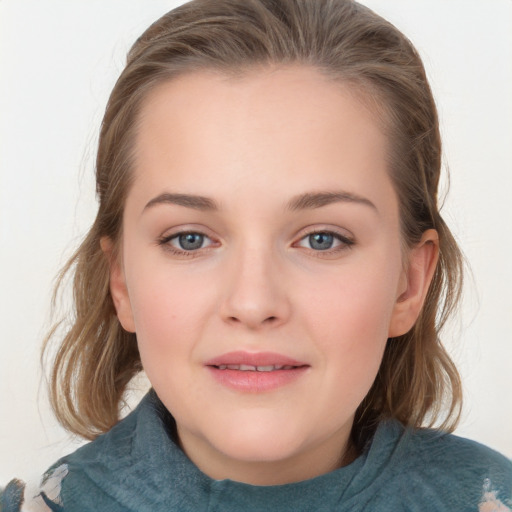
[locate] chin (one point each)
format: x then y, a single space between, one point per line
258 441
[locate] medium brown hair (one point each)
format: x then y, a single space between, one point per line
417 383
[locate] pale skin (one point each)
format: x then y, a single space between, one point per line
258 280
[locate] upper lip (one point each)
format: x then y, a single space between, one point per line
254 359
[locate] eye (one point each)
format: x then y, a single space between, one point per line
185 243
188 241
325 241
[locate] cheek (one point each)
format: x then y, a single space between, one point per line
351 328
170 308
359 299
162 311
348 314
166 321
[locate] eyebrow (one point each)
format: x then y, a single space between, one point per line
312 200
307 201
188 200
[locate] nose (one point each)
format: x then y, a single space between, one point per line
255 291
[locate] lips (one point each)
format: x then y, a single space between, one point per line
255 372
250 368
255 360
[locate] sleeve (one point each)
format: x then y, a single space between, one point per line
20 497
11 498
491 501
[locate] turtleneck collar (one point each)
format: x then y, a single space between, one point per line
139 466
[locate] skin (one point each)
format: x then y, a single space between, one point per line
258 282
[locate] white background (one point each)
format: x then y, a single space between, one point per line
58 62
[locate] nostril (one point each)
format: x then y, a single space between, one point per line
268 320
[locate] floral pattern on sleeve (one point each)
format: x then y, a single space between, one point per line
490 501
21 497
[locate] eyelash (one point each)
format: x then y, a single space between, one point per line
345 243
165 243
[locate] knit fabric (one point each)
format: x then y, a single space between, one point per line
137 467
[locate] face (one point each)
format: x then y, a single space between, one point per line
261 267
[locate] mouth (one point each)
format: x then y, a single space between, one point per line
250 368
255 372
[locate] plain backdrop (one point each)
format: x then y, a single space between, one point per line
58 61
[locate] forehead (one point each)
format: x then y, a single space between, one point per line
302 92
204 128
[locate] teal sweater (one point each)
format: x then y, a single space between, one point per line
137 467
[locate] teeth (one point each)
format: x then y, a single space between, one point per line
266 368
250 368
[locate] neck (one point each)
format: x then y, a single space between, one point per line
317 461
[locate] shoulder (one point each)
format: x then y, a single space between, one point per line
93 468
72 475
450 469
449 453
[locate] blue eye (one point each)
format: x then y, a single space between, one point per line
190 241
186 243
321 241
325 241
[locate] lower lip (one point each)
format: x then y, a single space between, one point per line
254 381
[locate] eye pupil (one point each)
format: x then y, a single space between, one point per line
191 241
321 241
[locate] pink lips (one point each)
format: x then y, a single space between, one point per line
255 372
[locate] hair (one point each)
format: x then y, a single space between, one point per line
417 382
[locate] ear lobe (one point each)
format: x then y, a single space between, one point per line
417 278
118 289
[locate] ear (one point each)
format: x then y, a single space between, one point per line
118 289
415 283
